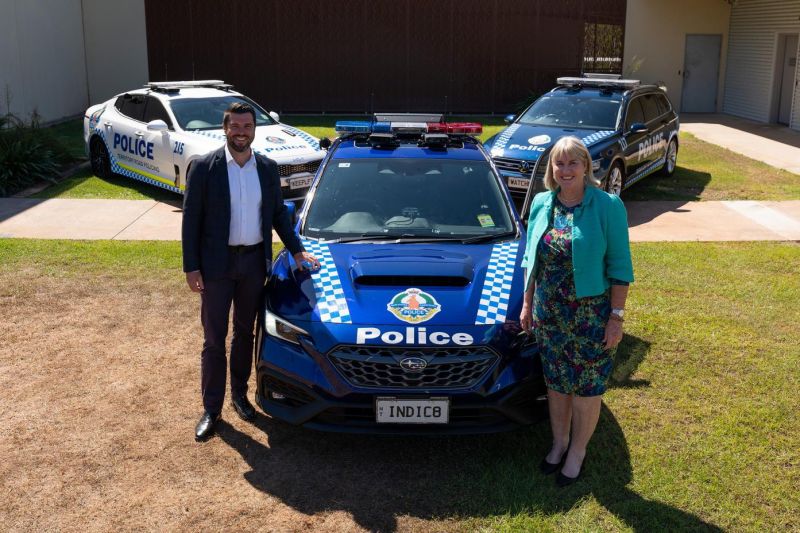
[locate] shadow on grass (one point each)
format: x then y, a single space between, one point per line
85 184
630 353
377 479
685 184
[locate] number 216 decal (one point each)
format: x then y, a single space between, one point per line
178 148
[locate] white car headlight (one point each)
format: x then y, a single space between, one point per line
280 328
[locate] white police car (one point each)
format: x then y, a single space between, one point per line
630 129
153 135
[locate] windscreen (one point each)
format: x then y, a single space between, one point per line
207 113
596 112
431 198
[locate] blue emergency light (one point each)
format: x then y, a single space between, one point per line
408 125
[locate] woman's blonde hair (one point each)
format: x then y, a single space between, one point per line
571 147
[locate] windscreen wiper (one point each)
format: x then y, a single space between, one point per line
402 238
488 237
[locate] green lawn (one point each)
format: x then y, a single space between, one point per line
709 172
699 429
70 134
705 171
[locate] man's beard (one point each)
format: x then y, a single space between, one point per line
232 145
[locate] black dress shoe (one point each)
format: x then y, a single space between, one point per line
205 427
547 468
243 408
564 481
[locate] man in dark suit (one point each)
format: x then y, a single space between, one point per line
233 200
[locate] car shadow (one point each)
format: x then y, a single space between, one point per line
685 185
377 479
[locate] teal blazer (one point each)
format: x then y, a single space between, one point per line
600 246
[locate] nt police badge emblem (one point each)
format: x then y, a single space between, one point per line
414 306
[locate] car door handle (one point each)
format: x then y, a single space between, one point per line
138 133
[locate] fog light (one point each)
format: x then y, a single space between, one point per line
276 395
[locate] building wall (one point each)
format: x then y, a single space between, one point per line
116 46
655 40
42 66
752 53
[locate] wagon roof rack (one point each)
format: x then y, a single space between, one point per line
175 86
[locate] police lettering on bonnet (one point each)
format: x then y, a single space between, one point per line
411 323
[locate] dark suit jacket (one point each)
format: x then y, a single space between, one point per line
207 214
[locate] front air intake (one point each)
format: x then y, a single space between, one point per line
412 281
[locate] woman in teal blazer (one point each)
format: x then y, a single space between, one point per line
578 268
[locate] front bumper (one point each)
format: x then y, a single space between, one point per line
304 388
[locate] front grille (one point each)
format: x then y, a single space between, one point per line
379 366
288 170
507 163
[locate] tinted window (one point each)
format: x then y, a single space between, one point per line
574 111
651 110
432 198
635 113
155 111
663 104
133 106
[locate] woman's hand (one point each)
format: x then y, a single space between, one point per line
526 317
613 334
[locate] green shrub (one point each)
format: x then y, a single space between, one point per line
28 153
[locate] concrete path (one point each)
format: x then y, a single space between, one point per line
151 220
773 144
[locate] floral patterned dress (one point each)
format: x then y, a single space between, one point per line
569 329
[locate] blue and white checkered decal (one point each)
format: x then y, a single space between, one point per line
303 135
116 169
596 136
497 286
500 143
331 302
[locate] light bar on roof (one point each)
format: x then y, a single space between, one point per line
409 128
409 117
599 82
353 126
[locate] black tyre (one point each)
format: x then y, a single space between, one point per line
615 179
671 162
101 164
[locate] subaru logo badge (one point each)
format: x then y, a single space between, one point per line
524 167
413 364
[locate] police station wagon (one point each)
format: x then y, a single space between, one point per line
412 322
155 133
630 129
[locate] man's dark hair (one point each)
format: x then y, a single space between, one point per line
238 108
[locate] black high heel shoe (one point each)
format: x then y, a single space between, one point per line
547 468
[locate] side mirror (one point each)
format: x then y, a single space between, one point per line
509 119
276 117
290 207
157 125
638 127
325 143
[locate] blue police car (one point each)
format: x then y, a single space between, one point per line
630 129
411 323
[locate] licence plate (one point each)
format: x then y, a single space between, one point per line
408 411
518 183
299 183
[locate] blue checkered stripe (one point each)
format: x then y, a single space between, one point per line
331 303
652 167
596 136
209 134
502 140
497 286
116 169
303 135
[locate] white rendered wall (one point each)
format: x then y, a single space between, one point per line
655 40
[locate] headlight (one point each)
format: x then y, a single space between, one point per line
596 164
278 327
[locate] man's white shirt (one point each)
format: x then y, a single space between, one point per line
245 201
